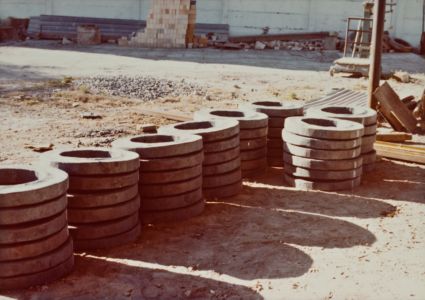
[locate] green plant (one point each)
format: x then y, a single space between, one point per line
293 96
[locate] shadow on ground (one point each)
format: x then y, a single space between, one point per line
9 73
96 278
387 180
291 60
234 242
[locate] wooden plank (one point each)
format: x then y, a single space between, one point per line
400 152
72 19
354 61
279 37
394 136
397 114
171 115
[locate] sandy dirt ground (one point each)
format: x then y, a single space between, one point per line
269 242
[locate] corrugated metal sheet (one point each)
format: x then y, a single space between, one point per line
340 97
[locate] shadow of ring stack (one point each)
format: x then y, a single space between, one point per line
170 182
35 246
322 153
277 112
359 114
253 134
221 166
103 198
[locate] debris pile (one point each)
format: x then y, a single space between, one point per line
144 88
395 44
297 45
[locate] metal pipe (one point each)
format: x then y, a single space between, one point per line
376 51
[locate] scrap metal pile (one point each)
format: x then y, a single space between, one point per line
166 177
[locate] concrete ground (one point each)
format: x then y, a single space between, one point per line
271 241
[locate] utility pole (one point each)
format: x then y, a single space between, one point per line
376 50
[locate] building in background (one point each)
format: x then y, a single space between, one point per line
244 16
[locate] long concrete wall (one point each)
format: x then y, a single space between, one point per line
243 16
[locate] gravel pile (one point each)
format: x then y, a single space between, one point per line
144 88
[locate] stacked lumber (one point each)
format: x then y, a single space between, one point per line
394 110
404 116
400 151
58 27
166 26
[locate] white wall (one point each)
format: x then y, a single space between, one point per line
407 21
243 16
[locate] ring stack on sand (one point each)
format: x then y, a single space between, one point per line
322 153
170 182
35 246
103 198
222 165
253 133
359 114
277 112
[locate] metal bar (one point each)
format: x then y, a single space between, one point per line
358 18
357 39
359 30
376 53
352 42
346 37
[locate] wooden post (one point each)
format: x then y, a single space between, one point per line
190 34
376 50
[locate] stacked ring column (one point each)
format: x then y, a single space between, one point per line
221 166
103 198
35 245
322 154
277 112
170 182
362 115
253 136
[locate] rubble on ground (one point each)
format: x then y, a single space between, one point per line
144 88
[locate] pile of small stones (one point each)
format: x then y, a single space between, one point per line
144 88
103 196
35 246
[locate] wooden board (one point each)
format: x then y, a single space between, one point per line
397 114
400 152
393 136
353 61
171 115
